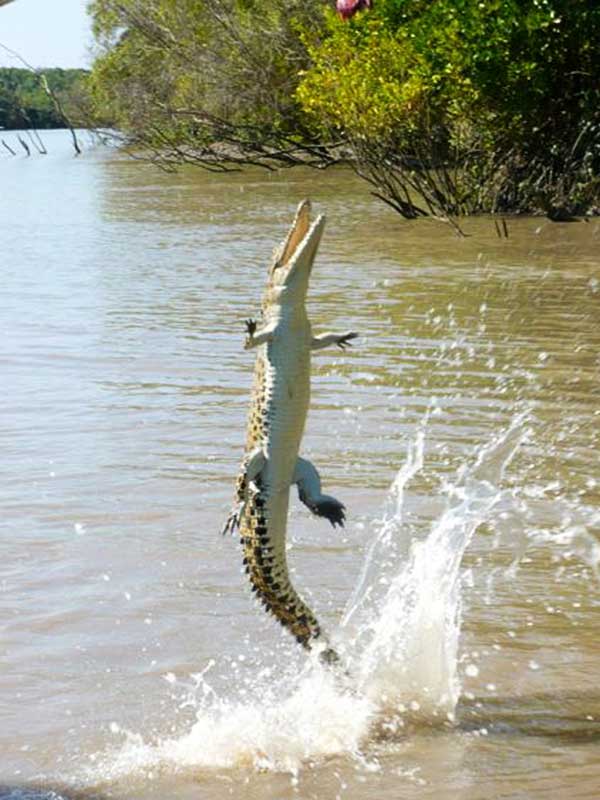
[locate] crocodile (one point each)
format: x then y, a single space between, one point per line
276 420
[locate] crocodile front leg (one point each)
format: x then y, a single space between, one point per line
254 338
308 481
325 339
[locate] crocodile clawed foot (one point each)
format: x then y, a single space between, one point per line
250 331
232 522
331 509
344 341
329 657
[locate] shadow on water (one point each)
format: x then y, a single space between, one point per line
41 793
565 718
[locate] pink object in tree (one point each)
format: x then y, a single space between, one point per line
348 8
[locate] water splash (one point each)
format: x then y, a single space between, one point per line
316 719
399 637
407 616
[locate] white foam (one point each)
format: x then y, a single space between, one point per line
408 635
318 718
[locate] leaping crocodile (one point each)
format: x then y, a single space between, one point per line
280 399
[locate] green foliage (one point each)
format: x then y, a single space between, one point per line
444 106
511 61
182 73
493 86
25 104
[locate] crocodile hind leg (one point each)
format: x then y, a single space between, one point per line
245 484
308 481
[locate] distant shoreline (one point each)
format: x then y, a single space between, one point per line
39 100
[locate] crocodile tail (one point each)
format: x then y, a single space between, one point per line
266 566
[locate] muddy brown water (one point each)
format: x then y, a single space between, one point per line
134 662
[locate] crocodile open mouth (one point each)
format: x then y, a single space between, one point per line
295 257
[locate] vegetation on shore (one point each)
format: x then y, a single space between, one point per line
446 107
457 106
32 99
210 82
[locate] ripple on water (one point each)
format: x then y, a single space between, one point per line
125 393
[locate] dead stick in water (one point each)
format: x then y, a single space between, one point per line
24 145
9 148
36 141
50 92
58 106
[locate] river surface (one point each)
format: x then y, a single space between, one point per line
461 431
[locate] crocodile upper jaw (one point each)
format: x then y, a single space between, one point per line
292 265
